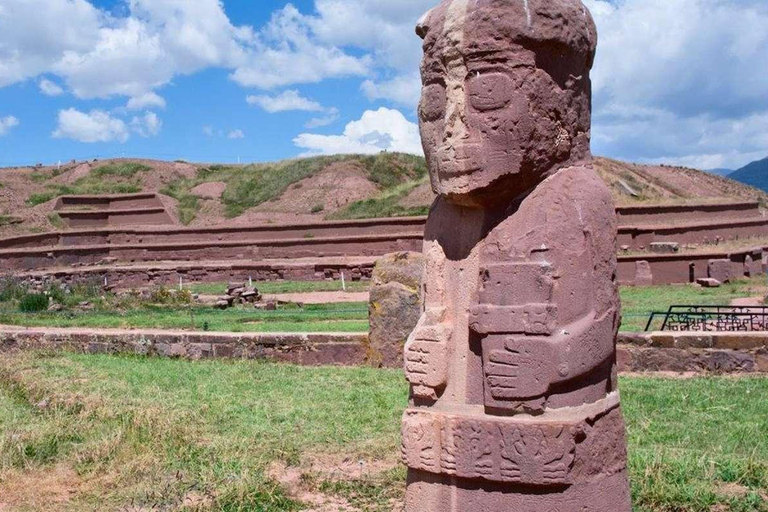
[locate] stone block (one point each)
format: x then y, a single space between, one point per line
394 308
226 350
728 361
708 282
662 340
170 349
690 340
624 358
720 270
761 360
740 340
405 268
643 273
199 350
394 311
99 348
634 338
664 247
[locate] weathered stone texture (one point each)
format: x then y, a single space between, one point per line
306 349
512 363
394 307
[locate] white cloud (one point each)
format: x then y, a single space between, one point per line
681 82
148 100
385 28
35 34
377 130
404 89
50 88
288 52
94 126
234 134
100 55
7 123
292 100
148 125
285 101
332 115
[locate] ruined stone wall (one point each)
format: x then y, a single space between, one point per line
716 353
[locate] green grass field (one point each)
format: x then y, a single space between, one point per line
127 433
637 303
345 317
275 287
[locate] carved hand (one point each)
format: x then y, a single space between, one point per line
519 368
426 363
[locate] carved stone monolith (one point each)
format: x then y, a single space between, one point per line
514 401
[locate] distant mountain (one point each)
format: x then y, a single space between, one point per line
755 174
720 172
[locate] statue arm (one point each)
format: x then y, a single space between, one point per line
426 350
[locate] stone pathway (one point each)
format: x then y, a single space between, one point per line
320 297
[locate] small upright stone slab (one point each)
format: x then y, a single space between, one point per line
393 308
720 270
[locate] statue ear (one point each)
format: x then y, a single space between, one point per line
422 26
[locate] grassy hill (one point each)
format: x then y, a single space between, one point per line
754 174
309 189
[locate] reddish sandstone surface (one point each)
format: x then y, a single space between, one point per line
514 398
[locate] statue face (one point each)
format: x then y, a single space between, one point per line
499 112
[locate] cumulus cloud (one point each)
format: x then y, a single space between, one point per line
236 134
147 125
50 88
100 55
90 127
376 131
292 100
6 124
148 100
287 52
331 116
681 82
387 29
285 101
35 34
404 89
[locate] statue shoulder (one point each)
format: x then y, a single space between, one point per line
586 180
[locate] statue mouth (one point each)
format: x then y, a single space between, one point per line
461 159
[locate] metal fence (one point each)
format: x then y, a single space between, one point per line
710 319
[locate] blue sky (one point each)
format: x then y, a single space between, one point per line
676 81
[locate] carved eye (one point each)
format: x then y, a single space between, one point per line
490 92
433 100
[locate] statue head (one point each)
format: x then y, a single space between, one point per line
506 97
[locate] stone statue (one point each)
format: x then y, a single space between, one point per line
514 401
